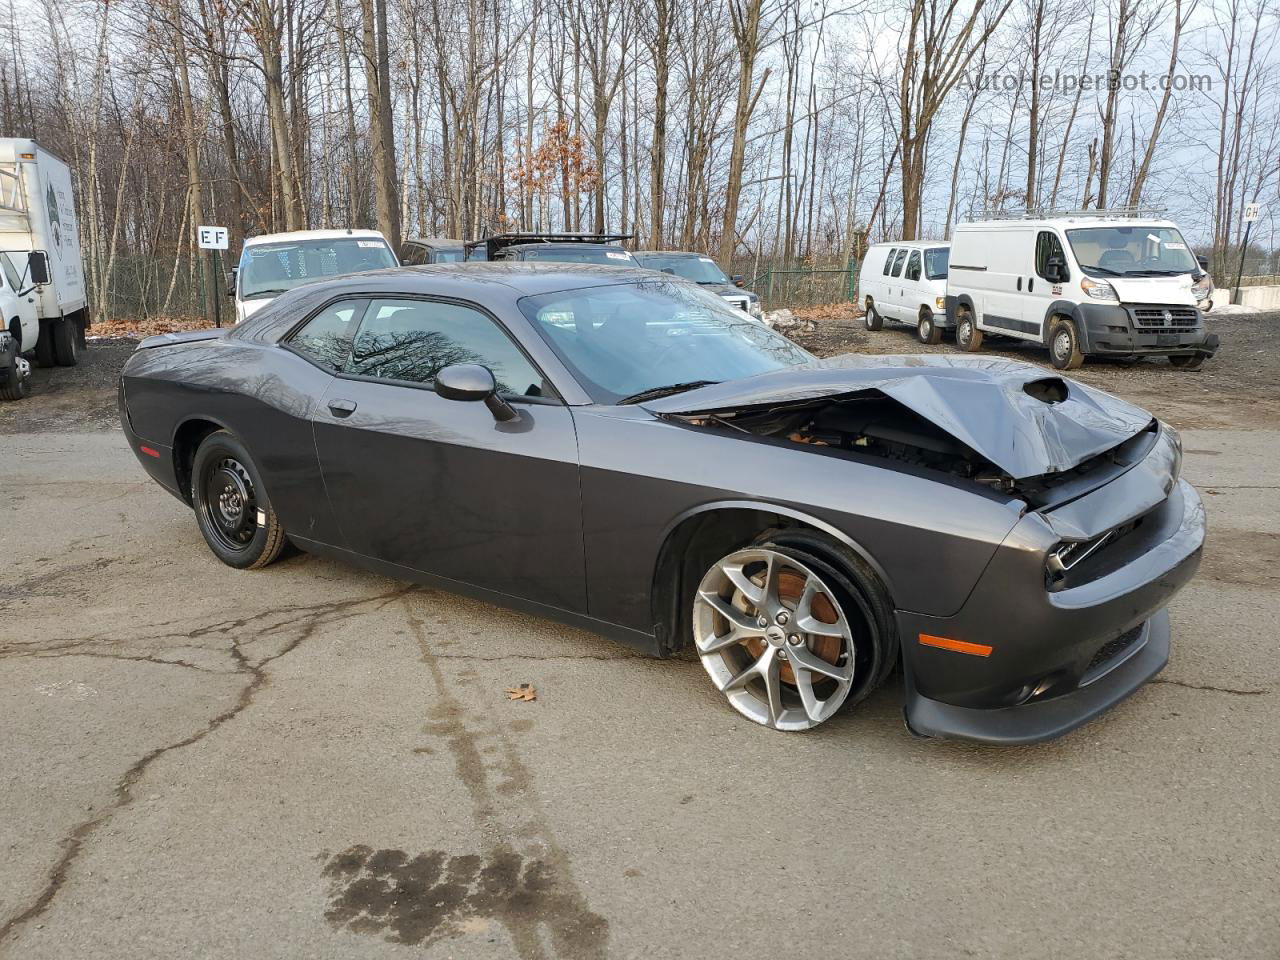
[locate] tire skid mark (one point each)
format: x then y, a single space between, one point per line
296 630
522 878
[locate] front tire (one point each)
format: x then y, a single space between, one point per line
926 330
66 342
17 373
873 320
790 630
968 336
1064 345
232 510
1193 362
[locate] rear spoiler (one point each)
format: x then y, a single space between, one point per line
190 336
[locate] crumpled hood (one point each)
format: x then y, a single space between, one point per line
982 402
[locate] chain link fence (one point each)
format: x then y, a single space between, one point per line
143 286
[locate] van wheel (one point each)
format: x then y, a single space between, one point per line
1192 362
15 373
1064 344
873 320
926 330
66 342
968 336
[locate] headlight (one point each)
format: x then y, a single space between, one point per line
1099 289
1202 287
753 308
940 302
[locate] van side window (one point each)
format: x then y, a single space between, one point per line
897 262
1048 246
888 260
913 265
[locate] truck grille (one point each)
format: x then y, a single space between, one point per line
740 302
1167 319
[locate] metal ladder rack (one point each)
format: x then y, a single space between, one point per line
1110 213
13 198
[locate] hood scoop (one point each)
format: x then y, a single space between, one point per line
1025 423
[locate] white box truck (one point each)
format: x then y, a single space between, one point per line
43 312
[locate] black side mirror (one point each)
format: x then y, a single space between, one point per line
668 270
1203 261
470 382
38 267
739 279
1056 270
231 281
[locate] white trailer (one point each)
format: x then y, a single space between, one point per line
43 312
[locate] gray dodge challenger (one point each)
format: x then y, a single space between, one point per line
619 450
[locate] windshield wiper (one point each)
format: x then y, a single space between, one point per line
653 393
1108 272
264 293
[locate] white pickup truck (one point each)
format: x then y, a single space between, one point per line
43 311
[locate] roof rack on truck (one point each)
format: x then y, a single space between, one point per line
498 241
1132 212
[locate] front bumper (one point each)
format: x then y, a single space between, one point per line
1113 329
1055 658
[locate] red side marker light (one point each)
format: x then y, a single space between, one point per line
956 646
150 453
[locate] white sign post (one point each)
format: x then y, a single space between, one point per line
211 238
1251 214
215 239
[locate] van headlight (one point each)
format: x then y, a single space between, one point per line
753 308
1202 287
1098 289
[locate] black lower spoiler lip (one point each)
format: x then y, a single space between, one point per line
190 336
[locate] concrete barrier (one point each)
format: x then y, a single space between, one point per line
1264 298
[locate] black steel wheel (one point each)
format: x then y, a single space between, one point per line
66 342
232 509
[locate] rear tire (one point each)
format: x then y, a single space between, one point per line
17 376
232 510
873 320
968 336
1064 344
926 330
66 342
1193 362
44 345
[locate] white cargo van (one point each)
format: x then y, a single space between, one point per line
43 312
906 281
277 262
1088 283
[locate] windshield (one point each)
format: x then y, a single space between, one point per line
269 269
1132 252
936 260
448 255
697 269
624 339
609 255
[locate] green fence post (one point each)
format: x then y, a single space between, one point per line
769 287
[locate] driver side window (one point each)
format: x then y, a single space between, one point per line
411 340
1049 247
10 273
913 265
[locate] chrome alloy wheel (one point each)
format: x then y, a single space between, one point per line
774 639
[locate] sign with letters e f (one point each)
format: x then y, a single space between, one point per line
211 238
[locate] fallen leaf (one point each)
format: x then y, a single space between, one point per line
524 692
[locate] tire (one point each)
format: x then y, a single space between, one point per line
1192 362
926 330
873 320
66 342
44 345
765 665
232 510
1064 344
17 375
968 336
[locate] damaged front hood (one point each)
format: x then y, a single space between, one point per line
982 402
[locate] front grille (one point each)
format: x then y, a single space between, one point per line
1166 319
1108 656
740 302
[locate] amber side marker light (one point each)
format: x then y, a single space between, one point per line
956 646
150 453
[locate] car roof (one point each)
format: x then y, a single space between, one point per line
436 241
1077 222
299 235
673 253
931 244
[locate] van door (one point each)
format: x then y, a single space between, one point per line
1010 261
893 295
913 293
1040 291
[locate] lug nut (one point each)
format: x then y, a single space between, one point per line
782 654
794 640
762 622
783 616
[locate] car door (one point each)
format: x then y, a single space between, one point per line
912 296
439 485
24 301
1041 292
894 300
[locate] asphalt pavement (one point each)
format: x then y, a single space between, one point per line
310 761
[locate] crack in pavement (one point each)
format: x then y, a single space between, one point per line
309 620
135 658
1211 688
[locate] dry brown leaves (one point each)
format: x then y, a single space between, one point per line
145 327
826 311
524 693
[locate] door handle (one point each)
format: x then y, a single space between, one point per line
1019 284
1031 284
342 408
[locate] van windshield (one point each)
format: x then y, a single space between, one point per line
936 261
269 269
1132 252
